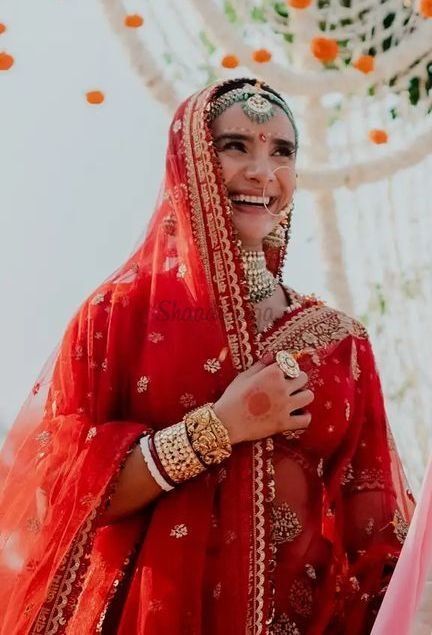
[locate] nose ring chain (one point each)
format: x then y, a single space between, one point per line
278 214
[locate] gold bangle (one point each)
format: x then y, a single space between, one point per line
208 436
176 453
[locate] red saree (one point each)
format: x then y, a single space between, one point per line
287 536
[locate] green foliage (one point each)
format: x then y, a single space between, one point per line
387 43
417 87
388 20
230 12
258 15
380 298
428 82
377 302
414 90
208 45
281 9
288 37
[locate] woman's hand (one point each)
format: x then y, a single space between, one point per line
260 402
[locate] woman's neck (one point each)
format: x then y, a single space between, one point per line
271 309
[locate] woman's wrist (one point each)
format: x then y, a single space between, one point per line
233 434
207 434
153 463
176 453
186 449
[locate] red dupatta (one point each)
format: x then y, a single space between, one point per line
168 331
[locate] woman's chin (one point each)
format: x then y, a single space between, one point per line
254 242
250 236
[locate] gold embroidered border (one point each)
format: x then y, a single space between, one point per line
209 222
256 621
50 618
314 327
193 191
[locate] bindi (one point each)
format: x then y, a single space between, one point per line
262 137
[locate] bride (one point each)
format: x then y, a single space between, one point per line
209 452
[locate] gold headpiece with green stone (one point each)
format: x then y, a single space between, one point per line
258 104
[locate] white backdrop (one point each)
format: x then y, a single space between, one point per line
77 181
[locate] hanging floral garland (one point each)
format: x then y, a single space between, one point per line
356 57
6 60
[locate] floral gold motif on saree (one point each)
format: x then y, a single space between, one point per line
314 327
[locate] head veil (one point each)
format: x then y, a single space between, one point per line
166 332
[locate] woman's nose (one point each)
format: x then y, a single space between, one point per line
260 170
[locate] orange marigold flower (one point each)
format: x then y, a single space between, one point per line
378 136
425 8
299 4
365 63
2 27
261 56
230 61
95 97
324 49
6 61
134 21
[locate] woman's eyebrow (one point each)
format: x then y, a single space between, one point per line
235 136
285 142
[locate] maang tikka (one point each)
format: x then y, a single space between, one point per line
258 104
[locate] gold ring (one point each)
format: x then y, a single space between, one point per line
288 364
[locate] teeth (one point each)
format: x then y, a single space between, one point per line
243 198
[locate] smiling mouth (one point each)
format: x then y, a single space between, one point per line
254 203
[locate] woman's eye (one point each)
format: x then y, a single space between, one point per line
234 145
284 151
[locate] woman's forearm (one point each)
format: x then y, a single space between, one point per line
138 482
135 489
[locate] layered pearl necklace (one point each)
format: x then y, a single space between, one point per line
260 280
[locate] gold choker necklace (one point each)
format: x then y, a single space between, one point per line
260 280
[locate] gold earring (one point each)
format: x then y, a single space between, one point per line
277 237
288 213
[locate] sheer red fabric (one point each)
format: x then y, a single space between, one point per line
287 536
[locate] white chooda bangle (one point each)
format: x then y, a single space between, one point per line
153 469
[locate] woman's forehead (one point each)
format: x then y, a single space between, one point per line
234 118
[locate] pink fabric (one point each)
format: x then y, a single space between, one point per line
407 606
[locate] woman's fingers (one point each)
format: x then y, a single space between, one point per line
297 383
254 369
299 422
301 399
272 373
